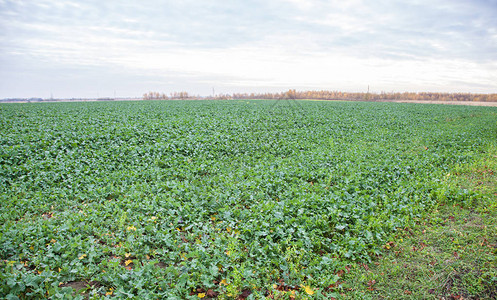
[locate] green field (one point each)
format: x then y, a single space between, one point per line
220 199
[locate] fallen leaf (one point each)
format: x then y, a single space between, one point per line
370 285
211 293
307 289
423 245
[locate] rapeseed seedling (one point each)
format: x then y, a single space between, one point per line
184 199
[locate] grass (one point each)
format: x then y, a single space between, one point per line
449 254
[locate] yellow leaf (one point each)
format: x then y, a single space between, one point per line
147 257
213 218
129 261
307 289
224 282
154 217
32 248
228 253
132 228
228 229
127 255
201 295
82 256
60 270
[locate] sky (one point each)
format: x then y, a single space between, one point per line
95 48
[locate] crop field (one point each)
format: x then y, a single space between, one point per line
218 199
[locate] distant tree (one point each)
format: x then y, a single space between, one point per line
330 95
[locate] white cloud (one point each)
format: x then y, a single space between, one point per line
413 45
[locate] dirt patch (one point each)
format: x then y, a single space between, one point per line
81 287
75 285
470 103
161 265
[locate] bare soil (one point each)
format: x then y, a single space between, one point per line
471 103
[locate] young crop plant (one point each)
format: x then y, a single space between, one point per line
220 199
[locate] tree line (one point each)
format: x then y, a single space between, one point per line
330 95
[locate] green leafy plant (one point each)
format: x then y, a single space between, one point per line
146 199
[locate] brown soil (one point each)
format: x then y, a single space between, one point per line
76 285
471 103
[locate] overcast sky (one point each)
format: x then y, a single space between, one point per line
94 48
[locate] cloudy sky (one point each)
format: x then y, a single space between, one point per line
96 48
